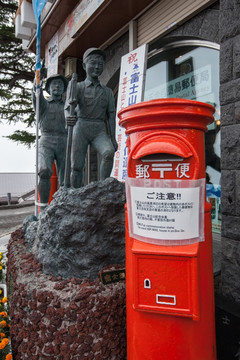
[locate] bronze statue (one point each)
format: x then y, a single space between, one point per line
95 105
72 102
52 144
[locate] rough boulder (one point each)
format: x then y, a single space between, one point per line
82 230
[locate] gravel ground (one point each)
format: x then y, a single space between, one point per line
11 218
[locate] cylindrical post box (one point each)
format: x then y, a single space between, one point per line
170 292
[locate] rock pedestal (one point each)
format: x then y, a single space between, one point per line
55 318
59 309
81 231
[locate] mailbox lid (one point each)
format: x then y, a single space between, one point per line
166 113
162 144
167 280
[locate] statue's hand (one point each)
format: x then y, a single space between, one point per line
115 144
43 71
71 120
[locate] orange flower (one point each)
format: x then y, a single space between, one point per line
3 313
3 323
5 341
2 335
8 357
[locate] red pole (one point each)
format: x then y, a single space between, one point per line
54 183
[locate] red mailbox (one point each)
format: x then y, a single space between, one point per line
170 292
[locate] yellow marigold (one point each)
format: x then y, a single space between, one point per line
3 323
4 300
0 267
8 357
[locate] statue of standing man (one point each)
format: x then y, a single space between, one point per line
94 119
52 145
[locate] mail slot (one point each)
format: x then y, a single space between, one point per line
169 283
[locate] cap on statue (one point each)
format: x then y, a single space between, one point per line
52 77
93 51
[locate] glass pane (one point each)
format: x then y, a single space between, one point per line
192 72
187 72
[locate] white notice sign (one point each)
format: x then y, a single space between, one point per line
166 213
131 87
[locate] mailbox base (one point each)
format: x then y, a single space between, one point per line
170 300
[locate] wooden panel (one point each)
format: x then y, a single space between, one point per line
167 14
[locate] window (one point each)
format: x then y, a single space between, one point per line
190 70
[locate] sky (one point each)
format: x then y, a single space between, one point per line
15 157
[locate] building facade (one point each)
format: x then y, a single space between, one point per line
193 52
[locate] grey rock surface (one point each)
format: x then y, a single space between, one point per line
229 30
230 269
30 232
82 231
27 221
